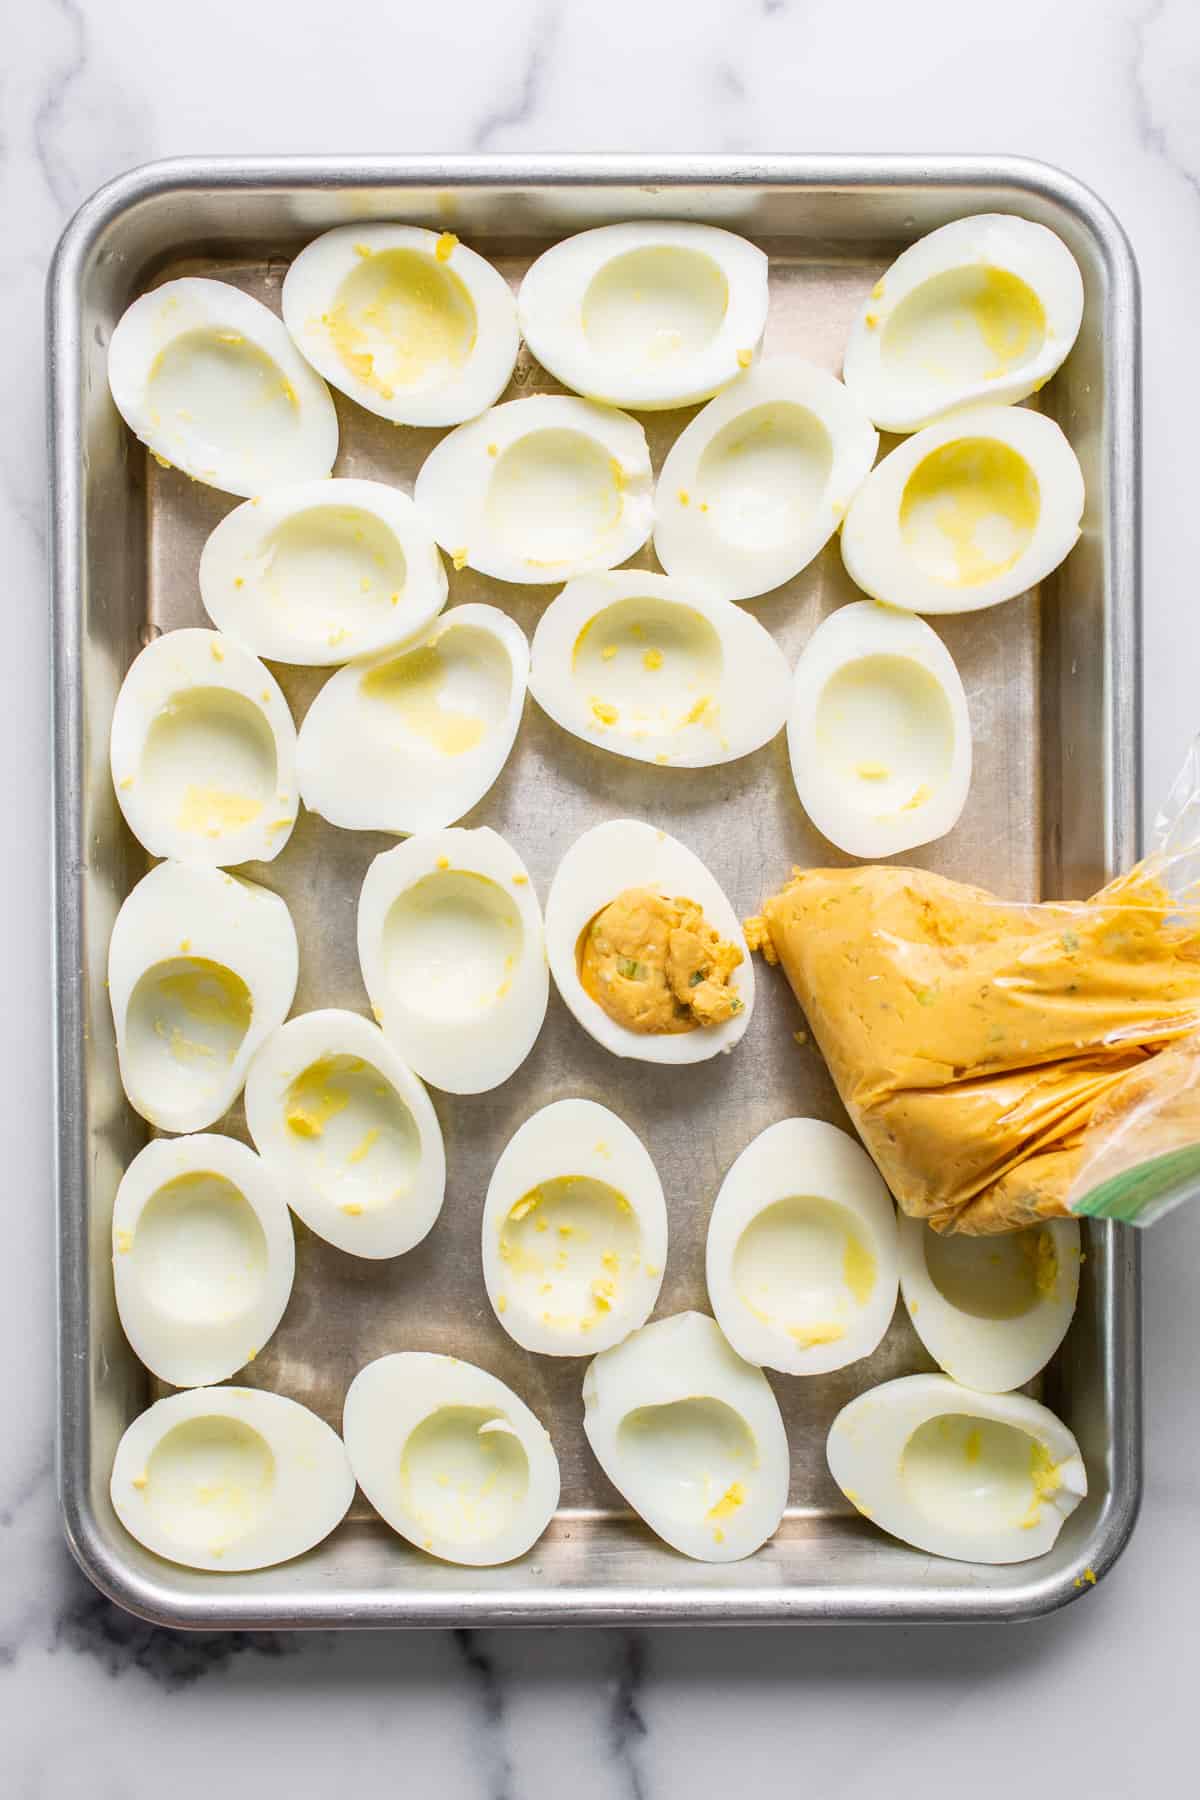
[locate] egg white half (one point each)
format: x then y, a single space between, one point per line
203 751
539 490
991 1310
985 1478
450 1458
230 1478
692 1437
759 481
658 669
211 383
202 967
203 1257
649 315
801 1259
574 1231
878 734
413 738
409 323
323 571
983 309
348 1132
453 957
967 513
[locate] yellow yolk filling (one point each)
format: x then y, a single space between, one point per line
656 965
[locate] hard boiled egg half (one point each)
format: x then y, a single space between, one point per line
322 572
985 308
574 1231
450 1458
691 1435
202 967
348 1132
991 1310
230 1478
539 490
759 481
453 958
607 861
986 1478
801 1260
878 733
412 739
203 1257
967 513
211 382
647 315
203 751
658 669
408 322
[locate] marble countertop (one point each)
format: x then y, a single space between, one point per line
89 1698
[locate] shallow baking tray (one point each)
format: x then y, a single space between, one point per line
1052 681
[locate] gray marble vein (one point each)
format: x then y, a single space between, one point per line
626 1721
484 1673
515 111
49 115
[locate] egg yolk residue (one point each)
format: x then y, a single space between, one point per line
656 964
974 1042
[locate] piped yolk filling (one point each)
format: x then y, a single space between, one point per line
656 965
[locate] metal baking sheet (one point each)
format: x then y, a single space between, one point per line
1051 683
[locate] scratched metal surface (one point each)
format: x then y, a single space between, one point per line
746 823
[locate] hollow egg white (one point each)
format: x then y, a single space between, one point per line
203 1257
453 956
323 571
801 1259
967 513
230 1478
658 669
539 490
348 1132
878 734
986 1478
574 1231
210 381
202 967
753 488
409 323
691 1435
604 862
648 315
450 1457
413 738
991 1310
983 309
203 751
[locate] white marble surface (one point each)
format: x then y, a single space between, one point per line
1099 1699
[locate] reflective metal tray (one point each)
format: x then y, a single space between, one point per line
1053 691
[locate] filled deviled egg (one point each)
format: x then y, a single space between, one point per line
644 947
